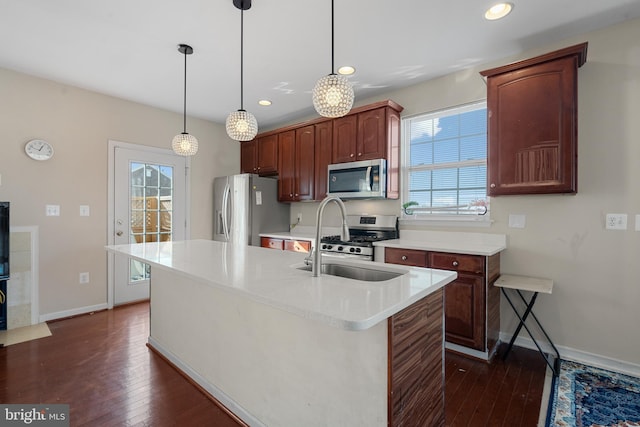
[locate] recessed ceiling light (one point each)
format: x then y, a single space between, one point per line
264 102
346 70
497 11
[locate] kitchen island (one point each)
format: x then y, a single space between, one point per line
279 347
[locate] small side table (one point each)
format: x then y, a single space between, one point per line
534 285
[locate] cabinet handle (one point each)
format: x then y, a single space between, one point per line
493 185
351 155
359 154
455 263
404 257
297 194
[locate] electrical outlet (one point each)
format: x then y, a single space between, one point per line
84 278
85 210
616 222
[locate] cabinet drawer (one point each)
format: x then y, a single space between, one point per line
473 264
267 242
411 257
297 245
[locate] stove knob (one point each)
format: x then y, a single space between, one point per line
358 250
329 247
340 248
352 249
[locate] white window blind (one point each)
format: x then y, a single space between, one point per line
445 163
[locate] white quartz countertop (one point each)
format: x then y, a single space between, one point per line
453 242
272 277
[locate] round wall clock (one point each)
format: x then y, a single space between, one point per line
38 149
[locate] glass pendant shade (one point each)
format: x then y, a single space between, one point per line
242 126
184 144
333 96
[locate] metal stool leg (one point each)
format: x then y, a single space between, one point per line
555 367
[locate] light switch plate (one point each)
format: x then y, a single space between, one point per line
84 210
615 221
517 220
52 210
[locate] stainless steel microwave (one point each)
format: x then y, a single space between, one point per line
358 180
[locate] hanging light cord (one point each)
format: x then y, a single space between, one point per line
242 58
332 42
184 115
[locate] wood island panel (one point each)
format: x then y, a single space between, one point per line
416 364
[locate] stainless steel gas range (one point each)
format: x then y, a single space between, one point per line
364 231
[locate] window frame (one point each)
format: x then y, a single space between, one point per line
438 217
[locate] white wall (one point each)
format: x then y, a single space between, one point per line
594 306
79 124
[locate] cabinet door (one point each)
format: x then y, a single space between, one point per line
465 311
286 165
248 159
345 130
304 159
372 136
324 134
267 153
532 129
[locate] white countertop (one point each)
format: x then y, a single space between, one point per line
485 244
271 277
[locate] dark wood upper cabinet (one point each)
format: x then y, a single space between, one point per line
324 138
345 130
532 112
304 150
260 156
296 153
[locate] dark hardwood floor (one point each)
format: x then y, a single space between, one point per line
100 365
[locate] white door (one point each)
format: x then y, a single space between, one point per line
149 206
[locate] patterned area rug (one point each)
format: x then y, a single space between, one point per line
584 396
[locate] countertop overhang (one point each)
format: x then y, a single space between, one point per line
271 277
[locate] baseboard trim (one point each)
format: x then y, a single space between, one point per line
214 392
73 312
568 353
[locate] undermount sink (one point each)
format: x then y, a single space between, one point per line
355 272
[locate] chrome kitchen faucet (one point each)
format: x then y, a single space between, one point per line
344 235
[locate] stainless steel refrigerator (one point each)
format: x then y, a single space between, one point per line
246 205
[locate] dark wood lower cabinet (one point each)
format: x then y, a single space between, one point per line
472 303
416 364
465 311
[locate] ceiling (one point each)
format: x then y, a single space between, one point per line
128 49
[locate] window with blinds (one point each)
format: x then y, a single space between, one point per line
445 163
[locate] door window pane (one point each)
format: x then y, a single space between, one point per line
150 209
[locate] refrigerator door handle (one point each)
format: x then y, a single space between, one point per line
225 212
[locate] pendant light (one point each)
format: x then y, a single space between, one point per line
333 94
242 125
183 143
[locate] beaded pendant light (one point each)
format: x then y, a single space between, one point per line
332 94
183 143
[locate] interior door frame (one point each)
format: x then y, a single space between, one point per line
111 203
